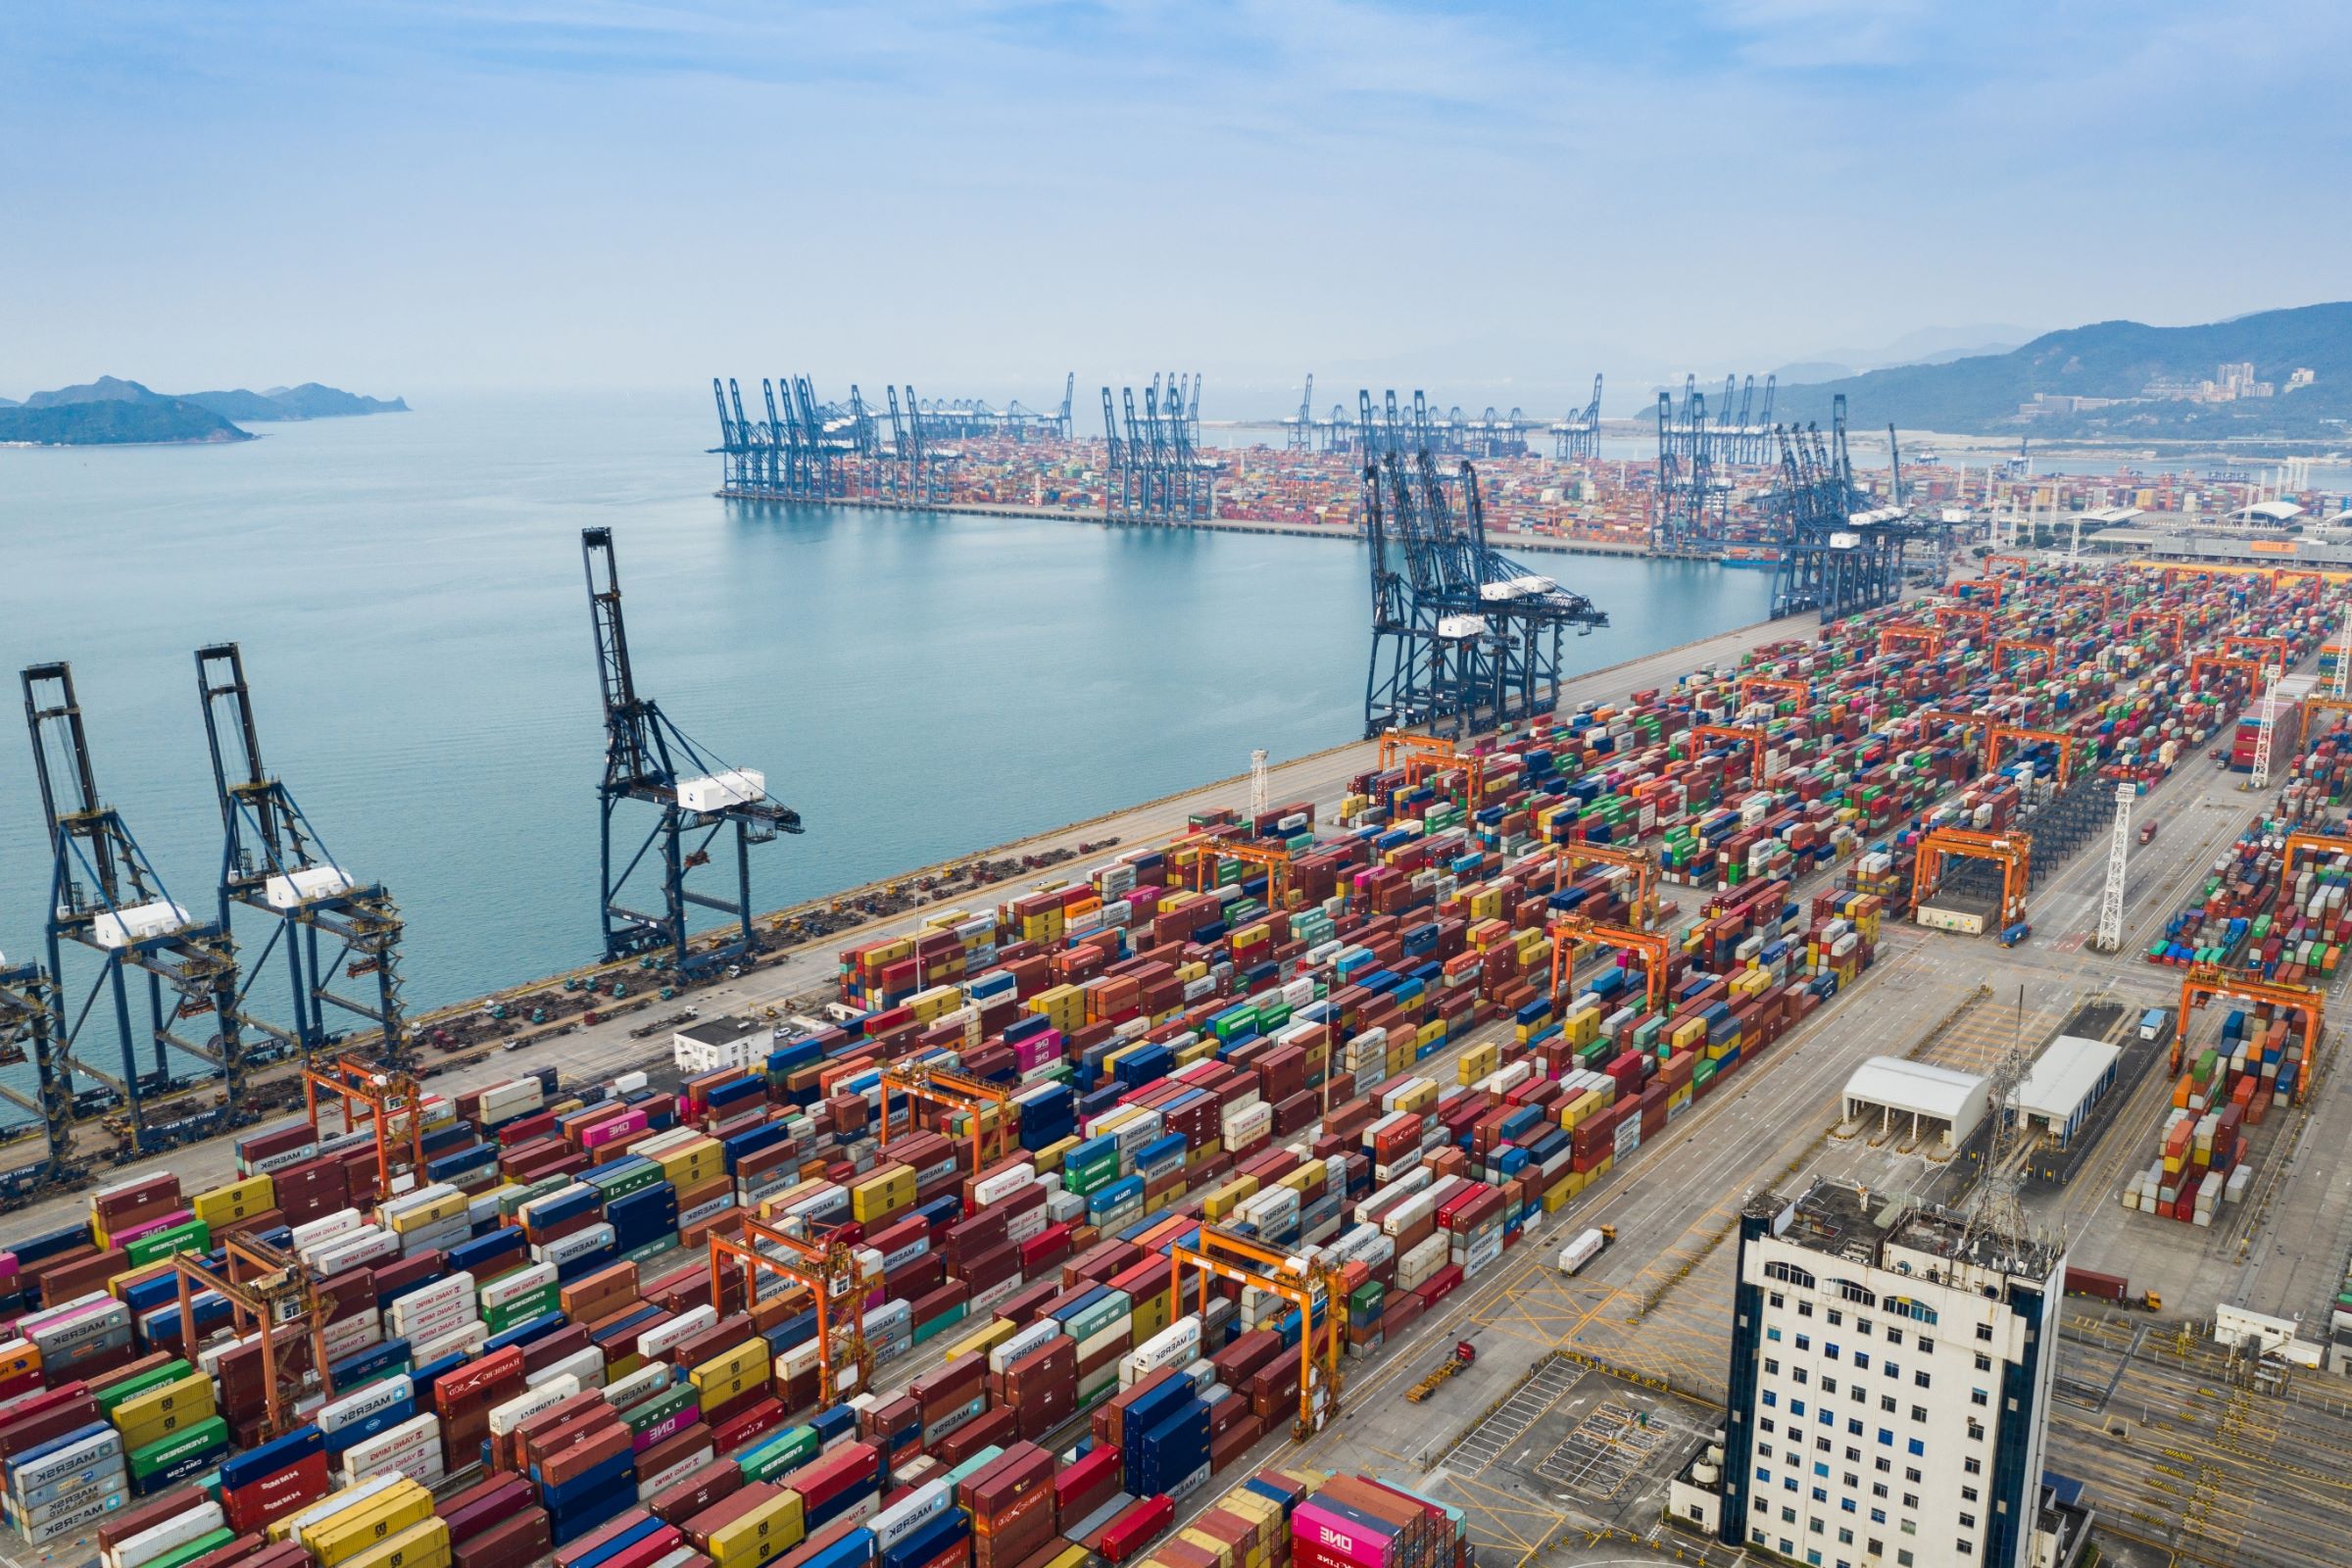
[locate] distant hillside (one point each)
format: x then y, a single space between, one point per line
308 401
195 417
115 421
2118 360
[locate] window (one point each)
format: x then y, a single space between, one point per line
1917 1311
1756 1533
1967 1494
1850 1480
1968 1521
1829 1384
1862 1326
1771 1365
1803 1376
1878 1516
1926 1346
1853 1428
1829 1419
1804 1309
1770 1397
1836 1318
1967 1550
1985 1331
1846 1503
1845 1537
1763 1450
1766 1423
1918 1448
1775 1297
1978 1397
1878 1489
1886 1403
1804 1341
1893 1369
1975 1467
1830 1350
1920 1379
1903 1557
1820 1493
1822 1443
1763 1473
1886 1437
1821 1470
1983 1362
1976 1430
1862 1359
1786 1274
1788 1483
1911 1475
1918 1412
1787 1516
1773 1335
1796 1407
1894 1336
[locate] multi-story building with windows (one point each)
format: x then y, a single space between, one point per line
1890 1384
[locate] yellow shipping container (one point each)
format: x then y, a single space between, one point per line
238 1200
1582 1027
1197 1051
1224 1199
1431 1033
769 1530
421 1545
347 1534
161 1412
1051 1156
433 1213
987 1339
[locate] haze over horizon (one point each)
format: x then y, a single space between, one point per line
980 196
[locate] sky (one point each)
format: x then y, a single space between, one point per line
978 196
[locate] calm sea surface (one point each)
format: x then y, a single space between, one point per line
408 592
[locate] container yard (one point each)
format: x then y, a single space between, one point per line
1094 1218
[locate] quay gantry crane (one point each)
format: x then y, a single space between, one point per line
2210 982
28 1019
1460 632
1793 691
1570 931
274 864
643 753
1691 505
983 1103
828 1272
1750 734
389 1097
1319 1294
2011 851
1576 436
106 897
1838 555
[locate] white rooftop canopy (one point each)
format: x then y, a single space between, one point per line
2063 1077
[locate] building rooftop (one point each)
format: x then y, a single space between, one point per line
1931 1090
719 1031
1843 1219
2063 1076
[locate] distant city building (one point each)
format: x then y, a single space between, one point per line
1891 1382
2301 377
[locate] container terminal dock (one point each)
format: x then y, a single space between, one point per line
1348 1164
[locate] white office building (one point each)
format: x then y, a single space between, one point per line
1889 1384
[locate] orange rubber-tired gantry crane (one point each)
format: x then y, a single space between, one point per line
1249 1264
2012 852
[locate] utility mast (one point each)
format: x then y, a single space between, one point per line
1993 1209
1257 783
2119 849
2269 731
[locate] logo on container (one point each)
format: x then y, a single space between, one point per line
1333 1539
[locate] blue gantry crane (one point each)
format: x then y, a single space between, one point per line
326 926
106 899
1153 469
1579 434
650 762
28 1013
1838 555
1463 637
1690 507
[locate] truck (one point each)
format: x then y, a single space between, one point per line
2147 830
2108 1288
2156 1024
1585 1247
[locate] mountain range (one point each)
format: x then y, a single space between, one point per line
2139 380
111 411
